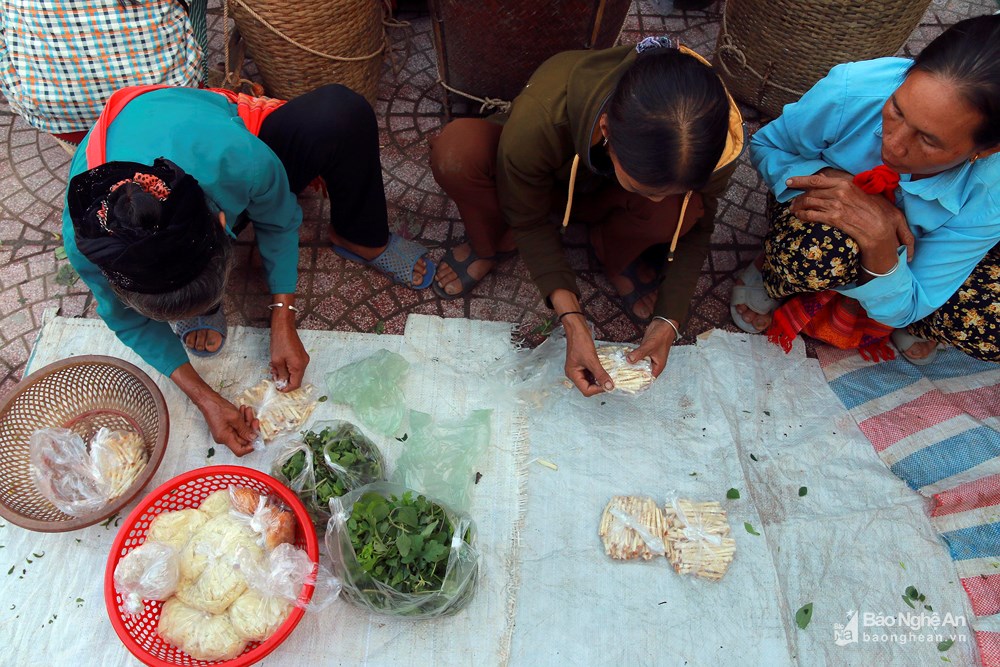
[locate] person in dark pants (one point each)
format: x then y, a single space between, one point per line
155 188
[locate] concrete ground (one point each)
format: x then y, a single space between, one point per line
35 276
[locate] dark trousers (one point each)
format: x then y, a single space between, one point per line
332 133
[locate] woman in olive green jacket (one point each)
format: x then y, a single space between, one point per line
639 143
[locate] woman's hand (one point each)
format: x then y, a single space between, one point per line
582 365
231 426
234 427
872 221
655 345
288 356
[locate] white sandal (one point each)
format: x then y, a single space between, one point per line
903 340
752 295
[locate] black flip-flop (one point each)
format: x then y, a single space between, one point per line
640 289
461 269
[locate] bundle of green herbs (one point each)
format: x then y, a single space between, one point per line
327 463
394 551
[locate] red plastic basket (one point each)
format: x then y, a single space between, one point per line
138 633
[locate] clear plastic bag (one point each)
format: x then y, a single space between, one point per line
372 388
628 378
64 473
276 410
439 457
698 538
201 635
269 519
118 458
151 571
332 459
285 571
361 539
632 527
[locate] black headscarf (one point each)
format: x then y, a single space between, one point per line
144 244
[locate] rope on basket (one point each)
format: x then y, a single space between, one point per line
727 45
503 106
288 39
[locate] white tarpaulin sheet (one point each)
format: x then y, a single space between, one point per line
55 614
731 412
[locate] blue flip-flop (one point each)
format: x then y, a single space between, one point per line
214 322
397 261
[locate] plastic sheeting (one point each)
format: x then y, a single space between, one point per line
853 543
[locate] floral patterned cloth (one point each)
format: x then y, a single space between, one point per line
801 257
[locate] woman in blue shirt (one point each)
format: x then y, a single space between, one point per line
156 187
926 265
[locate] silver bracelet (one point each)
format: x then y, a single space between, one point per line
880 275
281 304
673 326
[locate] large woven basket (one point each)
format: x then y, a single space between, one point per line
770 52
82 394
490 49
299 46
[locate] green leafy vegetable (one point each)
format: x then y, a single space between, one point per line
749 527
380 327
733 494
803 491
343 459
945 645
402 542
804 615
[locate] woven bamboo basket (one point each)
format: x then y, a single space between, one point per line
299 46
770 52
490 49
82 394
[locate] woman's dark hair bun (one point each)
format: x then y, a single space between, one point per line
133 209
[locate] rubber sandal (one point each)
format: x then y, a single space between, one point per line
461 269
640 288
397 261
903 340
752 295
212 322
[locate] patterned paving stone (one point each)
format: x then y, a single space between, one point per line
339 295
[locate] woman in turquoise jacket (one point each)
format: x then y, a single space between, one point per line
155 190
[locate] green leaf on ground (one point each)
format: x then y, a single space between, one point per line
945 645
749 528
60 253
66 276
912 592
803 491
211 452
322 399
380 327
733 494
907 601
804 615
753 458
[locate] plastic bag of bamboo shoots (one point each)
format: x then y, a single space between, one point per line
697 538
278 411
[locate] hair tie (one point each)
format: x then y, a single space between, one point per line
662 42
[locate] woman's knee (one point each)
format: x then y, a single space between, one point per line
343 110
811 253
463 151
